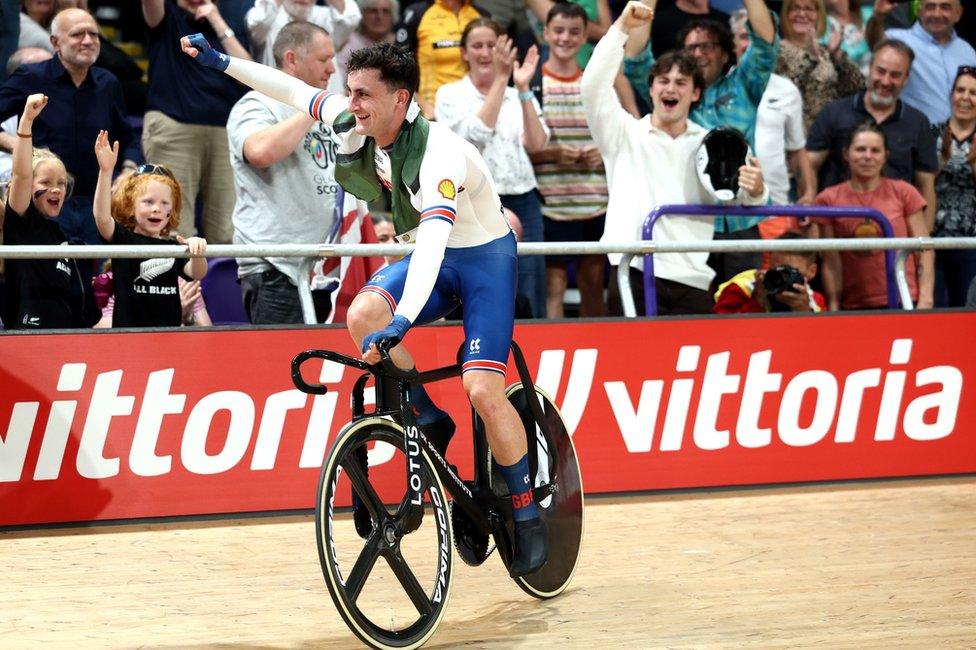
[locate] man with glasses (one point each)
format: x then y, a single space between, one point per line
938 52
731 98
84 99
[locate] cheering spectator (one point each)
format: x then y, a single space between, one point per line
39 293
780 136
907 131
955 189
850 19
822 73
84 99
506 125
857 279
186 114
569 170
731 98
785 286
598 19
651 162
143 211
284 165
379 16
432 31
732 91
265 20
938 52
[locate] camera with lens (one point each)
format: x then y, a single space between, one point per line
779 279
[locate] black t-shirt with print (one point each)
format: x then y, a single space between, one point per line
147 292
38 291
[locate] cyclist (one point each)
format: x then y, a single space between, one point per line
444 199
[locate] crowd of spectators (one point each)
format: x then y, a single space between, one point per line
589 114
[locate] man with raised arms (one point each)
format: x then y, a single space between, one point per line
444 199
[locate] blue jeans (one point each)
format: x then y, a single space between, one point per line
531 268
954 272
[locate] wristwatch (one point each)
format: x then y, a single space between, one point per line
228 33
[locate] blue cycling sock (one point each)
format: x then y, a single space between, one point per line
425 408
520 487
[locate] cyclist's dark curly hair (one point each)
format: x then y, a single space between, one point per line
397 67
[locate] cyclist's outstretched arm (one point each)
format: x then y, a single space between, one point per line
321 105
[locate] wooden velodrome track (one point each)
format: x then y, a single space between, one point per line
866 564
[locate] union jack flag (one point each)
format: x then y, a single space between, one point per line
349 274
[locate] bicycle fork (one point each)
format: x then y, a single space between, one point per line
413 513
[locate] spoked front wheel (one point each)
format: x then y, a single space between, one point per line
390 586
562 510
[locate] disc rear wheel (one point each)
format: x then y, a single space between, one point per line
562 509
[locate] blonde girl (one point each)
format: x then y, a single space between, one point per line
39 291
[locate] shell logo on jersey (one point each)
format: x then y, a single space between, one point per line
447 189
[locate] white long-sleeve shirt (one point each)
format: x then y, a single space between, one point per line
646 168
266 18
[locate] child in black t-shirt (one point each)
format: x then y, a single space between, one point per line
38 290
143 210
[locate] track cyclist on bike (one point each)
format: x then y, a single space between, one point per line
444 199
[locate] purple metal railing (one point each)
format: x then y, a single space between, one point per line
800 211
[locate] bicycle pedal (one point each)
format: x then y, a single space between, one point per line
471 545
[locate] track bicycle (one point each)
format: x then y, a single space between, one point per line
398 483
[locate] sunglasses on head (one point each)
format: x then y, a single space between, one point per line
158 170
966 69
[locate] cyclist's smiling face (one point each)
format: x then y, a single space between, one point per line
378 108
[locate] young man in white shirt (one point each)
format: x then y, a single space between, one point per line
651 162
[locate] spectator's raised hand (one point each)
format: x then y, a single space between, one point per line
522 74
106 154
751 178
504 57
635 14
197 46
33 107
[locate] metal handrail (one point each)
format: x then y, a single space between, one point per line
716 211
313 251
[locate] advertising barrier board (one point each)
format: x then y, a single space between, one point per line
122 425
